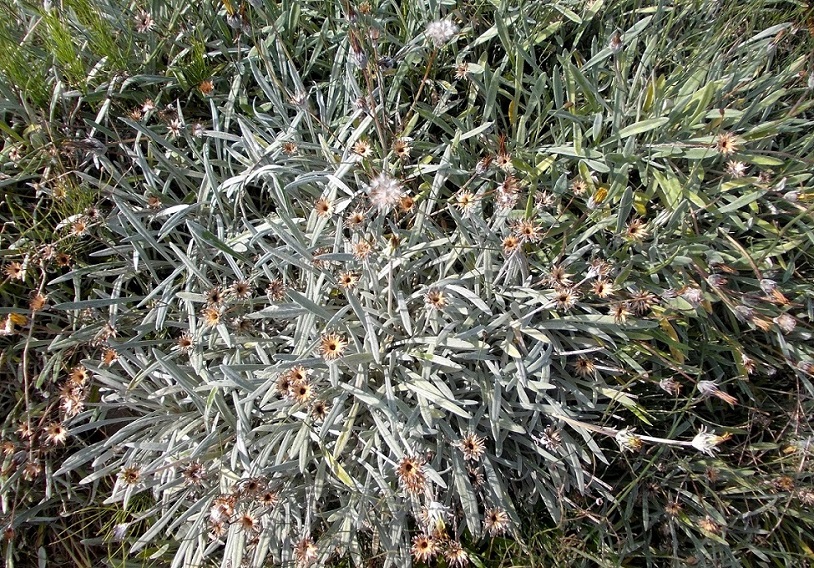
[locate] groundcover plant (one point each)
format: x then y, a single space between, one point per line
382 284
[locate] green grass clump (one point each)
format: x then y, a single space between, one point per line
320 283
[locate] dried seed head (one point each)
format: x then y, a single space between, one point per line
584 367
72 403
496 521
472 446
785 322
32 470
806 496
214 297
348 280
726 143
248 523
143 21
716 280
550 439
511 245
504 161
269 498
406 204
223 507
578 187
641 302
465 202
361 250
744 313
24 430
283 385
305 551
636 230
557 277
565 299
332 346
276 290
401 148
217 528
175 127
461 70
318 262
508 193
55 434
302 392
109 356
483 164
194 474
242 325
748 363
14 271
211 316
241 289
527 231
544 200
602 288
411 475
298 373
436 299
384 192
63 260
37 302
206 87
424 548
130 475
693 296
355 219
708 525
440 32
362 149
455 555
79 376
185 342
290 148
736 169
324 207
319 410
8 448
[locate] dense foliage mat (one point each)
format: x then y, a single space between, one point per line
379 284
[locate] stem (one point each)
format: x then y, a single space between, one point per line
420 87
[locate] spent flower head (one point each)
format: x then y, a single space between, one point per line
706 442
628 441
710 388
